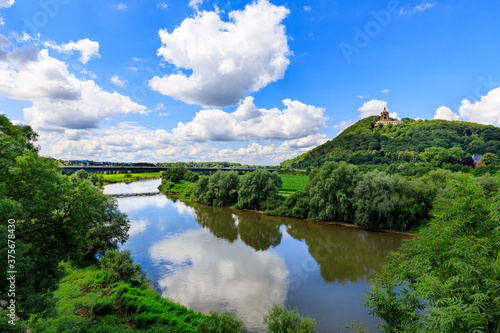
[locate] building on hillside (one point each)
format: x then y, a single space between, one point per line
385 120
477 161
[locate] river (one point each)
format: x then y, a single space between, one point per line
222 259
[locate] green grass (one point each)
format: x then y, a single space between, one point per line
182 190
292 183
116 178
85 303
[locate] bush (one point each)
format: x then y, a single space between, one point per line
281 320
120 266
221 323
103 307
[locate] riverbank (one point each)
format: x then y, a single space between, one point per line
85 301
128 177
183 192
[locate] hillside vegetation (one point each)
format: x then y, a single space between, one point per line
428 144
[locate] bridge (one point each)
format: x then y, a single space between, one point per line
99 168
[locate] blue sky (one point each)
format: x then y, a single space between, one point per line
251 82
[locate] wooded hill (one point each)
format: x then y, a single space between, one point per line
438 143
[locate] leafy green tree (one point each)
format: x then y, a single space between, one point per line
257 186
489 158
220 189
281 320
331 189
190 176
376 202
81 175
54 216
94 179
448 278
174 174
200 190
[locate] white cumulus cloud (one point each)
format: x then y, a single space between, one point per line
228 59
195 3
88 48
296 121
115 79
60 100
374 108
6 3
484 111
445 113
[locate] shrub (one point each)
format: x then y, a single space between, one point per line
103 307
281 320
221 323
120 266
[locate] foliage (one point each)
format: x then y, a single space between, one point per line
86 304
54 217
221 323
257 186
331 189
219 189
120 267
103 307
281 320
175 175
375 201
417 144
447 279
489 158
357 328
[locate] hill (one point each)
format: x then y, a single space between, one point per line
439 143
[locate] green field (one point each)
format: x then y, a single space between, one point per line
292 183
112 178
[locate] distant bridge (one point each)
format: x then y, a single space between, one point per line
99 168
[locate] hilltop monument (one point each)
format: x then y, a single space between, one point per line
385 120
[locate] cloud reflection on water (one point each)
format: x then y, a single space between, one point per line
220 276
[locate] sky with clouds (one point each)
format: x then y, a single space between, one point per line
254 82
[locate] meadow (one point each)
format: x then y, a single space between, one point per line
125 177
292 183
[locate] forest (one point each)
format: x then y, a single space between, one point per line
413 148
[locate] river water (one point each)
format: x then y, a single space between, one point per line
222 259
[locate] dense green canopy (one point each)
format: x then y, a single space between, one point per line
435 143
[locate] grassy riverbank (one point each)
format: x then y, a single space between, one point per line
86 303
291 184
127 177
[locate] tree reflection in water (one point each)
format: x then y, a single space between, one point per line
343 254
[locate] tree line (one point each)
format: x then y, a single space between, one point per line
334 192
